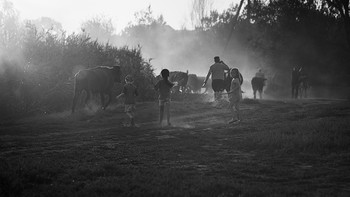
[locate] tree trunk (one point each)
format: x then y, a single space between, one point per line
235 19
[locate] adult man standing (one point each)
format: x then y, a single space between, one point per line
217 72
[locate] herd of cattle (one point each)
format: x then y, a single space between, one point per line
100 80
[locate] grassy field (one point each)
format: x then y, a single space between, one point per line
281 148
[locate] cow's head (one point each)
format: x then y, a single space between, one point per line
117 73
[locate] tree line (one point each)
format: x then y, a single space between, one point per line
273 35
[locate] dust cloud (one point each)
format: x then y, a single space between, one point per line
192 51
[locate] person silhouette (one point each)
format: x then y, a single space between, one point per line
217 73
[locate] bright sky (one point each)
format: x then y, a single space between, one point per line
71 13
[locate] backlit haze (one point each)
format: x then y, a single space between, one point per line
177 14
71 13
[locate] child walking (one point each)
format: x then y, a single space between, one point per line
163 87
235 96
130 93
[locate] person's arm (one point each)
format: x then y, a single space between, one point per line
121 94
234 86
225 66
170 84
156 87
206 79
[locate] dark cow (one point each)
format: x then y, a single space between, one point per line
258 84
98 80
194 84
303 85
181 78
299 83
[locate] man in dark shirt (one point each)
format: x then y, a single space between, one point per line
217 72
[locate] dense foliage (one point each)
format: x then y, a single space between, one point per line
37 71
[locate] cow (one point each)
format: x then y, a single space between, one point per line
194 84
299 82
181 78
98 80
258 84
303 85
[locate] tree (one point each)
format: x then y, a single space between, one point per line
10 28
100 28
146 17
144 26
200 9
47 24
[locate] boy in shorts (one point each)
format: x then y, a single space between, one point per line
130 93
163 87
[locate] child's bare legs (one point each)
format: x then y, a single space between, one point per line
161 112
131 115
130 112
167 104
238 112
234 108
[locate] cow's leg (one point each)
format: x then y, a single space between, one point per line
297 92
260 94
254 93
87 97
305 92
75 99
102 100
109 100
